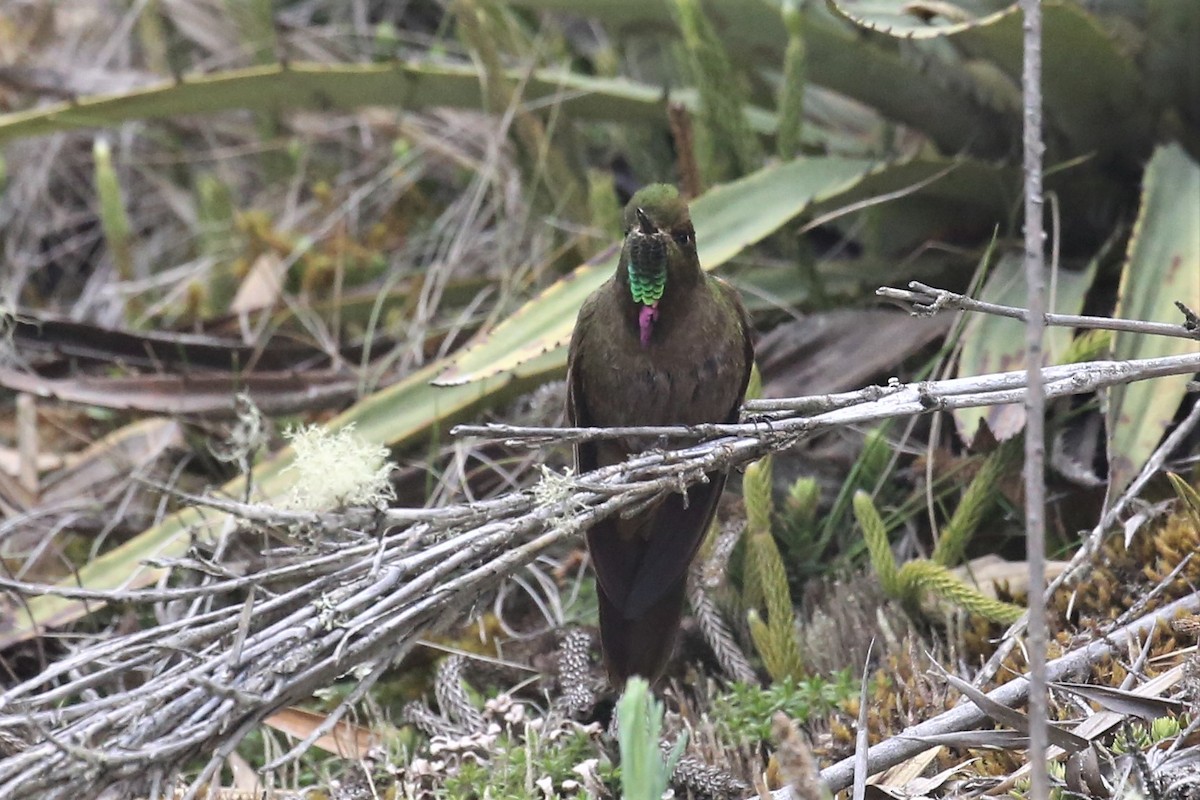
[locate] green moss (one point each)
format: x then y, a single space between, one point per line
743 714
506 775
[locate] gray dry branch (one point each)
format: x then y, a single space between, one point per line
928 300
128 711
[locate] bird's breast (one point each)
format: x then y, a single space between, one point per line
687 379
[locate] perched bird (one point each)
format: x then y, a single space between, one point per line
660 343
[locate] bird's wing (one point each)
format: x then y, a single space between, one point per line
577 411
731 295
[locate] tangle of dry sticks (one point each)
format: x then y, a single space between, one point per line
129 710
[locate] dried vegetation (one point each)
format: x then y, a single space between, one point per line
226 221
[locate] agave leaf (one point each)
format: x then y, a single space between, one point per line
837 58
1162 266
1171 60
1092 91
955 199
997 344
728 219
954 181
917 20
541 325
740 214
346 86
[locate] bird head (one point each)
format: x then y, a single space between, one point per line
660 242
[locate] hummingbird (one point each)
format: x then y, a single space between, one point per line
661 342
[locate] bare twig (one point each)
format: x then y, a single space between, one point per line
27 442
861 742
928 300
1035 401
897 400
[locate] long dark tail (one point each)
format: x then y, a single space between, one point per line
640 645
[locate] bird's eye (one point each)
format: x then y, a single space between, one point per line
683 238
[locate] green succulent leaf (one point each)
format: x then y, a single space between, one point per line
1171 61
527 347
997 344
1162 267
1092 90
402 84
836 56
644 773
917 20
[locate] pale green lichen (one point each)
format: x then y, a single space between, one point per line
336 468
556 489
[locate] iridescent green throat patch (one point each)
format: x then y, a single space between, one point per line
647 268
646 289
